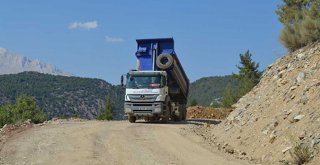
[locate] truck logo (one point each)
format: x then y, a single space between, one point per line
142 96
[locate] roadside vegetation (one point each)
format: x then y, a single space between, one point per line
224 91
301 154
301 20
24 109
106 113
237 86
247 77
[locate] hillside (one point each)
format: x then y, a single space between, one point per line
279 116
11 63
208 90
61 96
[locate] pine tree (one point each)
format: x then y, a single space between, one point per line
301 20
248 77
248 69
106 114
245 85
228 96
292 11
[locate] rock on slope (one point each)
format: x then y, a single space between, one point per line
283 109
11 63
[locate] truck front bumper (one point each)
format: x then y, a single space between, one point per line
143 109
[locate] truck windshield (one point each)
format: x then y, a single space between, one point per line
135 81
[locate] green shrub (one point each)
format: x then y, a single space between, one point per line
301 20
6 115
39 117
25 108
193 102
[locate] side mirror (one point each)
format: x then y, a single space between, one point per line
122 81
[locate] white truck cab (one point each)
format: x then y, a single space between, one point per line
146 94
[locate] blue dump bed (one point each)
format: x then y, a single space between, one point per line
145 50
148 51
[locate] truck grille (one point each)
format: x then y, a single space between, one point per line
143 97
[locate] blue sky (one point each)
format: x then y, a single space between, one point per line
96 38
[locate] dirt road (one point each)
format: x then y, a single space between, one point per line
117 142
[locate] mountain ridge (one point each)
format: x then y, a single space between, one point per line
62 96
12 63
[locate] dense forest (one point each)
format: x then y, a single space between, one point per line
61 96
209 90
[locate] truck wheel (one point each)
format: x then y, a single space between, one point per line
164 61
184 112
165 119
132 119
177 118
184 117
180 117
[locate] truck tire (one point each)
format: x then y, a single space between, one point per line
176 117
164 61
132 119
184 117
166 117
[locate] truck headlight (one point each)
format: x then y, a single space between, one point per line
159 98
127 98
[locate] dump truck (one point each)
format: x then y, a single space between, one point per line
157 89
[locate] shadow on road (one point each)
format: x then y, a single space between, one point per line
188 121
205 121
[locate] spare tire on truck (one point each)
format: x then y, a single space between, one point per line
164 61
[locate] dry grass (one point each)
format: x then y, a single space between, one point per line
301 153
